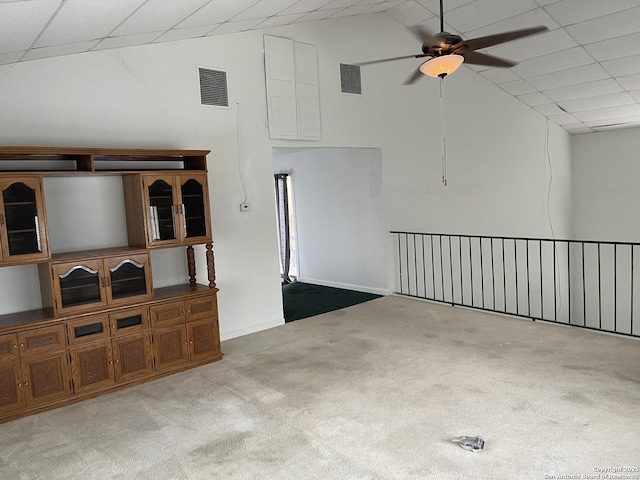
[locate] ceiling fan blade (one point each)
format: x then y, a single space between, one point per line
371 62
413 78
490 40
424 35
478 58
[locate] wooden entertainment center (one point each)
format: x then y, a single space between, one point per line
102 325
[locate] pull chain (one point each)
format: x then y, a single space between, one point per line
442 130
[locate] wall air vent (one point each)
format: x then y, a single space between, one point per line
350 81
213 87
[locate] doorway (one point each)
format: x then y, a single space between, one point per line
335 205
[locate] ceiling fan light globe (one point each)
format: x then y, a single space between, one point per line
441 66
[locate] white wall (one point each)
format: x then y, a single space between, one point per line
606 185
147 97
339 215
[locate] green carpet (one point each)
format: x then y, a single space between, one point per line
303 300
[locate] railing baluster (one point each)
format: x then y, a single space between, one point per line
599 290
451 269
584 292
493 277
461 284
515 257
424 267
615 288
441 269
400 262
471 270
555 285
528 281
541 283
433 268
415 262
481 271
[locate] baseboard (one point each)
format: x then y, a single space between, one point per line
346 286
276 322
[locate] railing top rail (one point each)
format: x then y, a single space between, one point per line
534 239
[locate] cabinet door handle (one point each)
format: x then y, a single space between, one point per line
26 383
117 360
188 311
15 346
110 362
22 346
20 385
190 342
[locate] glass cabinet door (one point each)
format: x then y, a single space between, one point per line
22 220
128 277
162 209
194 208
78 285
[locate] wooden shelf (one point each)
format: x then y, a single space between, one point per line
64 161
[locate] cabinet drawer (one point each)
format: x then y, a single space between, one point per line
167 314
87 330
202 308
8 347
132 320
42 340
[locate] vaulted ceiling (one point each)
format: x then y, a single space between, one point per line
583 74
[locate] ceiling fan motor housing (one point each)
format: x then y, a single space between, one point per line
442 44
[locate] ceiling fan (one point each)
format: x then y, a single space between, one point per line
448 51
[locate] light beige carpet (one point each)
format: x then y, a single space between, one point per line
374 391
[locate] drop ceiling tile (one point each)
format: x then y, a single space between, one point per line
568 12
542 3
337 4
535 46
60 50
156 15
532 18
318 15
480 13
127 40
410 13
533 99
216 12
13 57
279 20
500 75
608 113
305 6
434 5
381 7
346 12
615 48
571 76
552 62
235 27
629 82
613 121
623 66
264 9
564 119
604 28
584 90
635 94
519 87
82 20
577 131
549 109
22 22
618 126
597 102
184 33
